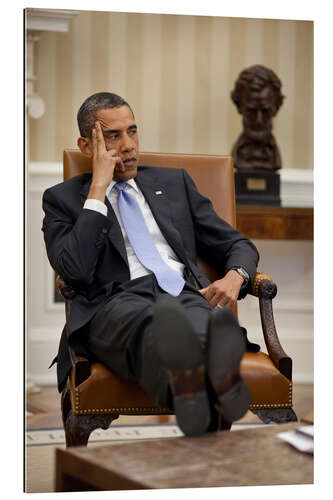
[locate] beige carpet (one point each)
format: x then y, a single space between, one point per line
40 458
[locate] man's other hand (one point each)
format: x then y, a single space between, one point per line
224 292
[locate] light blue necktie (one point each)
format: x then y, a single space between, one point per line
143 244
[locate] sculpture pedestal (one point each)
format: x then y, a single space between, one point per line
257 188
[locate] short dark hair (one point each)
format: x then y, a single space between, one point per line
255 78
86 115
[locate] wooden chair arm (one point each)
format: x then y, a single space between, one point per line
265 289
63 289
259 277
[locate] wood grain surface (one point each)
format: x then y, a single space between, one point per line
246 457
277 223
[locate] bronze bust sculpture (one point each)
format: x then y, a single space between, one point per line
257 95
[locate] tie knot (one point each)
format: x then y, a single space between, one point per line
121 186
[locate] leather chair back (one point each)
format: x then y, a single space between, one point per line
213 175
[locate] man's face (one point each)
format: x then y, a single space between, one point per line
120 134
258 109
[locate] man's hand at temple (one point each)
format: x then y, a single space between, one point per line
224 292
103 164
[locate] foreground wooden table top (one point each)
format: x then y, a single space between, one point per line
239 458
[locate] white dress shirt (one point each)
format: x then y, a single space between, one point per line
166 252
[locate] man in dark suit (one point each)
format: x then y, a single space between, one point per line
126 238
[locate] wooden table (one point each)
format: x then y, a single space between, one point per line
276 223
238 458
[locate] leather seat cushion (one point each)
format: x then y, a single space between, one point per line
106 392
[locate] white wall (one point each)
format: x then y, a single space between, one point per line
45 318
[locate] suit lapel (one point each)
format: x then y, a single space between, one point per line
156 195
115 235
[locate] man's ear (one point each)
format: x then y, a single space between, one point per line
85 146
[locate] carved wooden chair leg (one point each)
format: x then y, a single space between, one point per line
276 415
79 427
65 405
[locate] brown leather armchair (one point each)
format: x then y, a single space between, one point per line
94 395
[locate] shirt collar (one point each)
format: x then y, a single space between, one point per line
131 182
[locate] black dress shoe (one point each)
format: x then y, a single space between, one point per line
225 349
183 358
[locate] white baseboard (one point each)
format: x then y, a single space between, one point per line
41 349
46 334
41 354
44 379
303 378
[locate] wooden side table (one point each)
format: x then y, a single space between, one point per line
238 458
277 223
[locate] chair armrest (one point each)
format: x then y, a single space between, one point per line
258 279
265 289
63 289
80 364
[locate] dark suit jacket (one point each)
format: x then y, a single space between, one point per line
87 249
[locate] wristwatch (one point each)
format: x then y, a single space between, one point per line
241 271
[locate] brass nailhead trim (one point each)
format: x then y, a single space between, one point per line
256 285
277 405
257 281
79 411
267 405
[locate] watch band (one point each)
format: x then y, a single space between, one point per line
241 271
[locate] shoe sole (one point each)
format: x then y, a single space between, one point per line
182 356
225 349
